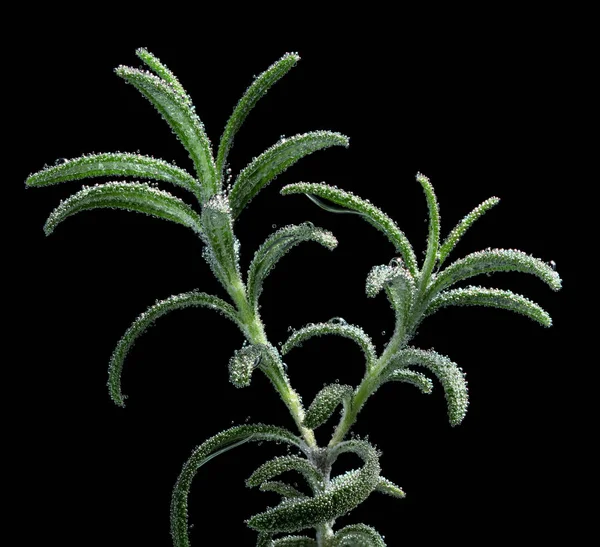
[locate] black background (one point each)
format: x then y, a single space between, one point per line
491 111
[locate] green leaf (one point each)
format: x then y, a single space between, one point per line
222 252
242 365
325 402
338 327
410 377
343 494
385 486
281 464
206 451
490 261
281 488
276 160
294 541
146 319
131 196
493 298
459 230
448 373
253 94
161 71
275 247
433 239
179 114
372 214
119 164
399 286
358 535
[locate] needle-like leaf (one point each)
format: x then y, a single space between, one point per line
410 377
459 230
178 113
146 319
336 326
372 214
276 160
385 486
206 451
433 239
131 196
113 164
253 94
493 298
343 494
277 245
161 71
283 489
282 464
356 535
325 402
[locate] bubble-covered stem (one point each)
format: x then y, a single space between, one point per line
255 334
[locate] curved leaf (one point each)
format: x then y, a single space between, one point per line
161 70
275 247
252 95
131 196
341 329
179 114
146 319
276 160
358 535
433 239
410 377
493 298
325 402
222 252
490 261
459 230
242 365
448 373
343 494
281 488
372 214
119 164
281 464
208 450
385 486
294 541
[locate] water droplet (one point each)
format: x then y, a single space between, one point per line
285 367
553 264
338 321
395 262
382 333
273 226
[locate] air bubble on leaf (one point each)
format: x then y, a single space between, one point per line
273 226
553 264
382 333
395 262
338 321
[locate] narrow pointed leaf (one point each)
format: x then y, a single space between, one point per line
294 541
161 70
178 113
205 452
493 298
253 94
131 196
119 164
358 535
494 260
325 402
344 493
281 488
242 365
399 286
223 247
333 327
275 247
433 239
146 319
459 230
385 486
410 377
281 464
276 160
448 373
371 214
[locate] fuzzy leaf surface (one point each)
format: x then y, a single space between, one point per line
205 452
281 464
146 319
276 160
275 247
358 535
253 94
371 214
433 239
131 196
325 402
